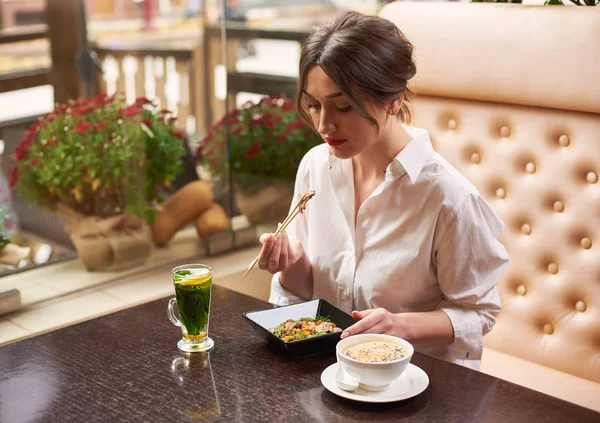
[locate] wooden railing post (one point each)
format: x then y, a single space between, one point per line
63 31
197 89
213 51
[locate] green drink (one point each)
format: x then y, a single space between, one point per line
193 284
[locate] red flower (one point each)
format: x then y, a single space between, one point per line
61 108
140 101
129 111
102 99
287 106
254 150
14 177
34 162
147 122
50 141
178 134
256 121
101 125
237 130
295 125
82 110
83 126
22 149
270 123
172 119
281 138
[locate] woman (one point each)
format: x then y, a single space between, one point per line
395 234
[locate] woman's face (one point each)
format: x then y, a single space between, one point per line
344 129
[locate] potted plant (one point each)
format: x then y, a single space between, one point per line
267 141
104 164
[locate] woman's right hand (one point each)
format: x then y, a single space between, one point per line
278 254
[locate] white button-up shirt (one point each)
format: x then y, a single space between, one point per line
424 240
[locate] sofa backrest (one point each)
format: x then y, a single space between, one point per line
511 97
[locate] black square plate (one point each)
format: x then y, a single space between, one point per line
263 320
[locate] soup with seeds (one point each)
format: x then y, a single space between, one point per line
376 352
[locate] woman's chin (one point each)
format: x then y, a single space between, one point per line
341 153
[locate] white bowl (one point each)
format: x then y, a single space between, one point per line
373 376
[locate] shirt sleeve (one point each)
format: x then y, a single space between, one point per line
470 260
297 230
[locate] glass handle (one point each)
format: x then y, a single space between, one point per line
171 312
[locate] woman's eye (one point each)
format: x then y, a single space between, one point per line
312 106
344 109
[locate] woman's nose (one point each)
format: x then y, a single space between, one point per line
326 125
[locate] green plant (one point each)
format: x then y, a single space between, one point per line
4 241
267 140
577 2
6 225
99 156
496 1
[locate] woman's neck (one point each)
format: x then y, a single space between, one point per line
372 163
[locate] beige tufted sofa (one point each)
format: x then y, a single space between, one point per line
511 97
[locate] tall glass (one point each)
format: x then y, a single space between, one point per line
193 286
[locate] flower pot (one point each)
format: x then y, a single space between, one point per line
270 204
114 243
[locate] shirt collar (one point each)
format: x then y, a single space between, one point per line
413 157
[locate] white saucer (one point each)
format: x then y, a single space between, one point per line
412 382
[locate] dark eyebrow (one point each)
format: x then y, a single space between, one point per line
334 95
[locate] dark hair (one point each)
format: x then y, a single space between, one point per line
363 55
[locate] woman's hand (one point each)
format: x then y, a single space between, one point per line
377 320
278 254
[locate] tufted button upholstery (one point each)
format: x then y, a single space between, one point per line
475 158
552 268
544 186
564 140
558 206
586 243
530 167
548 329
452 124
555 127
580 306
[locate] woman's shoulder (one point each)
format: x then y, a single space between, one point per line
458 197
445 182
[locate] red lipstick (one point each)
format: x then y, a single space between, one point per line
335 142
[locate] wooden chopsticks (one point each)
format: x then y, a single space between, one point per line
299 208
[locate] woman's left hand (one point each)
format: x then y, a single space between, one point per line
377 320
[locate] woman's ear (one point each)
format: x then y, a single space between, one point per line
394 107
